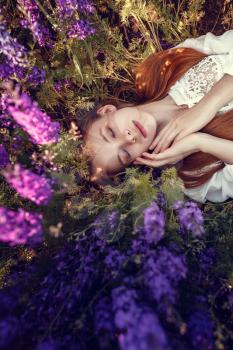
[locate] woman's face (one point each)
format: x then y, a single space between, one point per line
115 140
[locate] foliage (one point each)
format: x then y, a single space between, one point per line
100 278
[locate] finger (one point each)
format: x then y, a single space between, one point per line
169 137
180 136
159 137
151 163
148 155
163 139
168 153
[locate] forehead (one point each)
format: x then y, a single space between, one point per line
103 154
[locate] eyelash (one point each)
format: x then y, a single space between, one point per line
128 155
113 135
111 132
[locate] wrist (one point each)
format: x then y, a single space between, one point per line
202 141
208 107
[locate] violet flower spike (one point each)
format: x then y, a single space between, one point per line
20 227
26 113
29 185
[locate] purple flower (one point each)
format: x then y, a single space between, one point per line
20 227
29 185
190 217
33 21
17 142
37 76
9 327
230 301
106 224
85 6
154 223
200 328
8 69
160 199
15 53
104 322
139 327
4 158
48 344
114 261
28 115
163 270
67 8
206 258
81 30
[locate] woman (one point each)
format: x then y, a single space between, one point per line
185 101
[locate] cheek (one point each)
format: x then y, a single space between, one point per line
139 149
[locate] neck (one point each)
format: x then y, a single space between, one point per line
162 110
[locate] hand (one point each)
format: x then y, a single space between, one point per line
182 125
178 151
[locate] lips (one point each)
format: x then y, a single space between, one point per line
140 127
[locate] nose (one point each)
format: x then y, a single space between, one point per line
130 136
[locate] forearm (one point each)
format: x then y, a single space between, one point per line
218 147
220 94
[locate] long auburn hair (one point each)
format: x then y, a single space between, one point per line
154 77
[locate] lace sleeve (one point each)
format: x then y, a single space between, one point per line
198 80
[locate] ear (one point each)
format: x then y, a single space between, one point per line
106 109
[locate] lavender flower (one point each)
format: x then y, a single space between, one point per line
154 223
4 158
37 76
29 185
230 301
106 224
28 115
104 322
8 69
33 21
114 261
163 270
67 8
139 327
48 344
8 329
85 6
17 142
20 227
190 217
200 329
81 30
9 46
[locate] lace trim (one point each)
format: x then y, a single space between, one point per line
198 80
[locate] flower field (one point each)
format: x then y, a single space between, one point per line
133 265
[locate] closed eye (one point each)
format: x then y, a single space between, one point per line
127 154
112 132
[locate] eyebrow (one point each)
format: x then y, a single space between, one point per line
104 138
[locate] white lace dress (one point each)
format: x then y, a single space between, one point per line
191 88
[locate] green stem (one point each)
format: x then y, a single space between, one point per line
49 18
